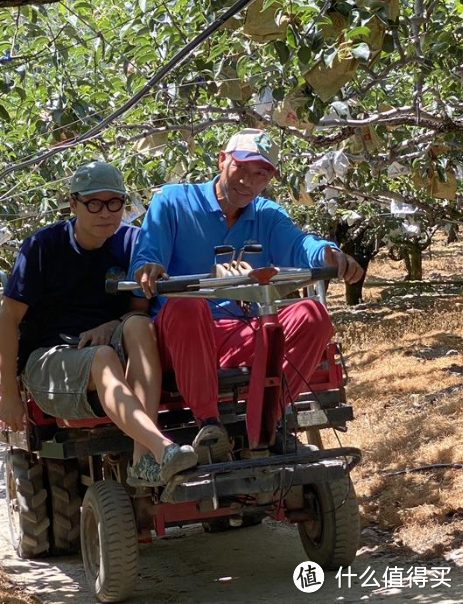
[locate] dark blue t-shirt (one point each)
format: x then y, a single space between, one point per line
64 284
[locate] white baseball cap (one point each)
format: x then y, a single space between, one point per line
252 144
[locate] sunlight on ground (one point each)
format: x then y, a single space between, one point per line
406 385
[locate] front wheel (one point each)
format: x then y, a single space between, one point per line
332 537
109 541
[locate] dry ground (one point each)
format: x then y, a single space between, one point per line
405 361
11 594
404 354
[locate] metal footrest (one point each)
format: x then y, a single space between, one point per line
261 475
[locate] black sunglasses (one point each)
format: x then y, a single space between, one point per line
96 205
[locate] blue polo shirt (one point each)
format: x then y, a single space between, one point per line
185 222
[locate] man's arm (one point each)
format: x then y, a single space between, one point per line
154 245
295 248
11 407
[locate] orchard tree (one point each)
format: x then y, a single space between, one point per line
363 96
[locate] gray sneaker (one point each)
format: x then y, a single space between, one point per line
175 459
146 472
212 438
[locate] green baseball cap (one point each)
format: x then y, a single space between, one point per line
95 177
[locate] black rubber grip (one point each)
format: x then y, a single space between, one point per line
325 273
254 248
175 285
110 286
223 249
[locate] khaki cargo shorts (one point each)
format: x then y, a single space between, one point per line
57 377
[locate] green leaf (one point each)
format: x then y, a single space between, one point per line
20 92
82 5
267 3
344 8
358 31
4 115
279 93
388 43
361 52
316 41
304 54
241 66
283 51
5 87
292 37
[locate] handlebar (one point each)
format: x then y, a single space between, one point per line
206 286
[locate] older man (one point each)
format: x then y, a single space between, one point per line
181 228
57 287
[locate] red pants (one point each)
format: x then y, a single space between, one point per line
194 345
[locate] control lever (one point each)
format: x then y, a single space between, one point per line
220 250
255 248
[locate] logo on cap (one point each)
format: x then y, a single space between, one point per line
263 143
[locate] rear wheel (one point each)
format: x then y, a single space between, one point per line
27 504
65 500
109 541
332 537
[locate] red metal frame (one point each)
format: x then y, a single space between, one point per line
172 513
263 409
328 376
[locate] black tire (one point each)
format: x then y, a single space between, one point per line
333 537
27 504
65 501
109 541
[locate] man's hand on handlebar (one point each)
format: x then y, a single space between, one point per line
348 268
147 275
12 412
226 269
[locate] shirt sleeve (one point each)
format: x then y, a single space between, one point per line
26 281
290 246
157 234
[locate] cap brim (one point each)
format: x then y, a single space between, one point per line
101 190
245 156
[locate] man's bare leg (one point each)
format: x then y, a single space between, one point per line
121 404
144 373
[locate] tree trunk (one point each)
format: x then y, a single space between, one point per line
414 263
362 247
452 234
354 290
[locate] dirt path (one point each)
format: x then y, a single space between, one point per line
240 566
